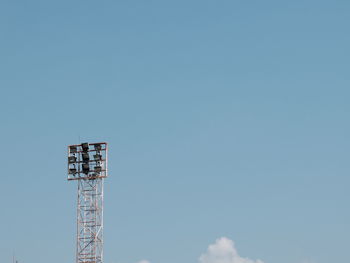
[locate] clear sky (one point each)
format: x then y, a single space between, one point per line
225 118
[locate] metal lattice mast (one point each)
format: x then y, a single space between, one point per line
87 163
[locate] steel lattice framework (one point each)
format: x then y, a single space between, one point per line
87 163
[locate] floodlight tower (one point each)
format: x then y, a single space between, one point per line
87 163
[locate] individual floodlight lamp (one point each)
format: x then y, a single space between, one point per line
85 147
98 147
85 168
98 157
73 149
98 168
72 159
85 157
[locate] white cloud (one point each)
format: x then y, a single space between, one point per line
224 251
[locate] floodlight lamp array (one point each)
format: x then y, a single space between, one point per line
87 161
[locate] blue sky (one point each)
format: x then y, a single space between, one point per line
224 119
